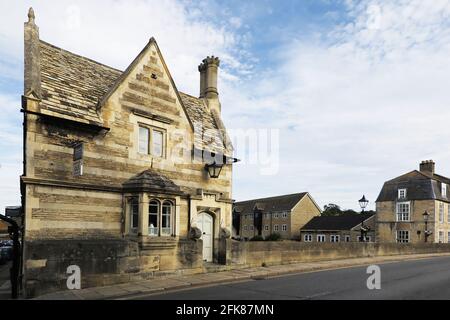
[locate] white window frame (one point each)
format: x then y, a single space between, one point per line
321 238
284 215
400 236
276 215
403 216
307 237
441 236
448 236
335 238
149 140
276 227
167 231
266 227
402 193
444 190
284 227
154 231
441 212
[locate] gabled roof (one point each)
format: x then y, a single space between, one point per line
74 88
334 223
271 204
419 185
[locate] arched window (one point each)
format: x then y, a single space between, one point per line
166 225
134 215
153 218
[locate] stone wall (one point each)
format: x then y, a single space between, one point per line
257 253
105 262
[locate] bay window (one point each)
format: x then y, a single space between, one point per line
166 218
134 215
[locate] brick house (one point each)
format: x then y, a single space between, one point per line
284 215
118 168
403 201
344 228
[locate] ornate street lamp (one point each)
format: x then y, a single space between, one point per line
426 216
214 169
363 202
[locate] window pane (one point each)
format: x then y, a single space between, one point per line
166 218
153 211
143 140
134 211
157 142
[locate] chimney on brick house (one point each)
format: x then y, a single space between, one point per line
208 82
32 73
427 166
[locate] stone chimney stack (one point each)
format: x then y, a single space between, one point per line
208 82
32 73
427 166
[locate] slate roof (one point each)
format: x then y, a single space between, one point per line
150 180
271 204
419 185
333 223
72 86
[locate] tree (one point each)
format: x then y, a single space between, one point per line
335 210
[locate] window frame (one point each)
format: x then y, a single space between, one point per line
284 228
150 146
276 227
266 227
158 220
404 191
165 204
307 237
444 190
441 212
399 216
402 239
335 238
347 238
284 215
321 236
134 204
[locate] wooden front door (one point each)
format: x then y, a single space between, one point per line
205 223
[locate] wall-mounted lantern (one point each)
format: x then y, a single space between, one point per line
214 169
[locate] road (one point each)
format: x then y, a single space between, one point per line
416 279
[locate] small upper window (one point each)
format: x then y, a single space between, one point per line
151 141
444 190
401 193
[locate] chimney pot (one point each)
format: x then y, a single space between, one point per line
427 166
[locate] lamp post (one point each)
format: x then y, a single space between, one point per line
363 202
426 216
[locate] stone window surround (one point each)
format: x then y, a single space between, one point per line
144 202
151 129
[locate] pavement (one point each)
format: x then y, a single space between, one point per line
181 286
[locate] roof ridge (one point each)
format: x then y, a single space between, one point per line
79 56
280 196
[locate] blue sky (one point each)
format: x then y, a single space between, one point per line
356 90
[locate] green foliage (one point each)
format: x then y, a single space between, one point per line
274 237
335 210
257 238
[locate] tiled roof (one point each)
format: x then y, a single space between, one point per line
331 223
272 204
150 180
419 185
72 87
207 135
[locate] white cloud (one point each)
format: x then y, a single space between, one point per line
361 106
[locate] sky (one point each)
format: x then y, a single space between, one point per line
350 93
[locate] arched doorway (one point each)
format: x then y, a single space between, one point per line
205 222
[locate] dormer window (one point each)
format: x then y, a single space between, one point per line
444 190
402 193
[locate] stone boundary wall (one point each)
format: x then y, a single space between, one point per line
258 253
104 262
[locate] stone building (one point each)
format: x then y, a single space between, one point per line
284 215
403 201
119 167
344 228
